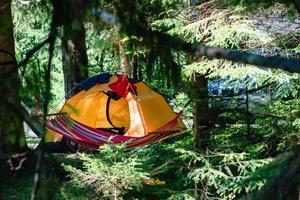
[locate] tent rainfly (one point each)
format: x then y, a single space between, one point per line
111 108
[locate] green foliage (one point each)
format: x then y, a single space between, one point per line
111 176
238 35
238 164
288 41
289 123
32 24
129 172
253 3
167 23
226 175
233 29
275 130
281 174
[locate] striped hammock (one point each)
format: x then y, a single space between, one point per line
93 138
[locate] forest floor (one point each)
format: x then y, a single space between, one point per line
18 184
54 181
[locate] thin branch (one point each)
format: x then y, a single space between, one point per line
235 95
32 51
157 169
199 50
297 5
52 114
52 38
163 40
275 62
269 115
28 56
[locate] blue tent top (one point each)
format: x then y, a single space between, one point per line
91 81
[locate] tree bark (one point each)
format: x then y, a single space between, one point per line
101 59
125 67
200 111
135 67
172 69
12 137
150 65
200 117
74 55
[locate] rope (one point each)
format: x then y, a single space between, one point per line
64 97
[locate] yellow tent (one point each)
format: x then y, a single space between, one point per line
138 114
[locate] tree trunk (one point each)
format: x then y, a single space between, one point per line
12 137
200 117
74 55
124 60
150 65
140 71
101 59
135 67
200 112
172 68
74 58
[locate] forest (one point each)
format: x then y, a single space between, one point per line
150 100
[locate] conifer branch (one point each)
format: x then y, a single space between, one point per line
163 40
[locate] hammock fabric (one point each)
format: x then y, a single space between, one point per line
93 138
110 104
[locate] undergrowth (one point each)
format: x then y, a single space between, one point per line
164 171
235 164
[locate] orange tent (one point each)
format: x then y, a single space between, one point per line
139 113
